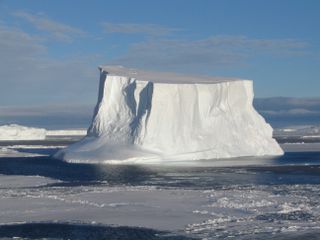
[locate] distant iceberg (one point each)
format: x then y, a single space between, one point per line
143 117
17 132
66 132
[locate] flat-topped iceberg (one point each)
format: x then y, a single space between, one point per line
14 132
145 116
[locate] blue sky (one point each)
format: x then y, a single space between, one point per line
50 50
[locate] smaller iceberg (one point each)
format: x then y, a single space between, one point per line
13 132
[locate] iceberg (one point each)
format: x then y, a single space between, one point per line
66 132
13 132
144 116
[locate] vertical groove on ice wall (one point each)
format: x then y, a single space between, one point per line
123 109
143 112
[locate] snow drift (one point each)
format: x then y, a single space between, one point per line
146 116
18 132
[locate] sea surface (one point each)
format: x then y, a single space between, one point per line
44 198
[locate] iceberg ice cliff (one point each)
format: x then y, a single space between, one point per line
144 116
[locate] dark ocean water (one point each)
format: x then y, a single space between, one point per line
292 168
82 232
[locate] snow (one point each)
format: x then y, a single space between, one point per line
16 181
66 132
9 152
233 211
18 132
147 117
15 151
13 137
160 77
299 130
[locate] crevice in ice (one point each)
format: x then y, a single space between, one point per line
129 96
102 82
143 111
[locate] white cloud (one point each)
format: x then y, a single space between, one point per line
283 106
19 50
59 31
28 75
208 53
70 110
134 28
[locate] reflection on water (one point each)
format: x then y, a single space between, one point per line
292 168
76 173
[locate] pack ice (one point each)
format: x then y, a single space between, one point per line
143 117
